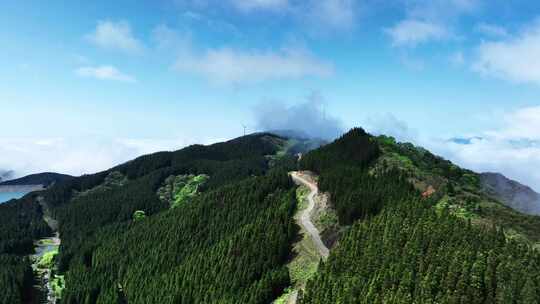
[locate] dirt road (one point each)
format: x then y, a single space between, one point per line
305 217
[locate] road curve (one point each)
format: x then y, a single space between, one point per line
305 217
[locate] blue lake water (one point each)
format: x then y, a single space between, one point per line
6 196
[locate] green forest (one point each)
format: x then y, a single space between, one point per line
21 222
215 224
402 248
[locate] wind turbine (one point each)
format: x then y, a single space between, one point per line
245 128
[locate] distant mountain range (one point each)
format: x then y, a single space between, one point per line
33 182
511 193
6 175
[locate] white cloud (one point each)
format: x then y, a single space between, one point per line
115 35
491 30
513 149
76 156
170 39
515 59
427 21
333 14
412 32
521 124
229 66
104 72
390 125
308 118
250 5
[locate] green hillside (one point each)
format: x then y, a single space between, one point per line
216 224
441 241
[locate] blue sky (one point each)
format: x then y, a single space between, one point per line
87 84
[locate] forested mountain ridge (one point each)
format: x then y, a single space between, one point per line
511 193
214 224
44 179
461 191
94 211
441 240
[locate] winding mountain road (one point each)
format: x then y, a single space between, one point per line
305 217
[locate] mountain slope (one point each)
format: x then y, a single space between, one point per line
432 245
456 189
511 193
117 233
44 179
215 224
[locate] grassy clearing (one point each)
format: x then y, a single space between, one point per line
47 260
139 215
447 202
326 219
180 189
58 284
284 299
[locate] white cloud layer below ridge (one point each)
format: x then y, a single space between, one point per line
104 72
230 66
78 156
513 149
514 59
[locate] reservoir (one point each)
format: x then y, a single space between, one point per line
6 196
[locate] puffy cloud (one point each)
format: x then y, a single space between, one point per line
514 59
229 66
115 35
308 117
412 32
316 15
390 125
104 72
333 14
428 21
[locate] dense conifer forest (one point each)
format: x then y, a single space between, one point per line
20 223
239 229
343 169
411 254
214 224
228 245
402 248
